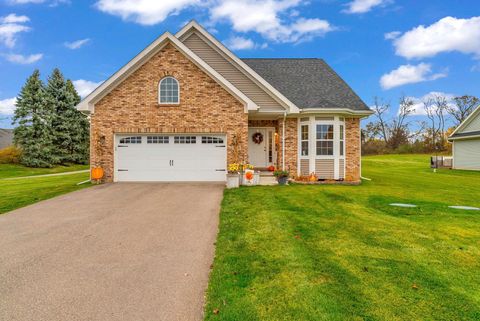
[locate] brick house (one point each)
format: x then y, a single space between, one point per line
186 106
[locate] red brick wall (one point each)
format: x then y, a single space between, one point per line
291 145
132 107
352 147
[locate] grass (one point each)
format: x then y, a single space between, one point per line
342 253
21 192
14 170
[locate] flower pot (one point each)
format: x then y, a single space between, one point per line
282 180
233 180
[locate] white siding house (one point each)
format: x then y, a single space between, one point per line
466 143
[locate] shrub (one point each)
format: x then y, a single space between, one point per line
10 155
374 147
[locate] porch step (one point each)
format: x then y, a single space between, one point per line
267 178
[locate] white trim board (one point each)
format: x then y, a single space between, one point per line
88 103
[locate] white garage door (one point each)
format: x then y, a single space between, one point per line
170 158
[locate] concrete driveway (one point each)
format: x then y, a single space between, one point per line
110 252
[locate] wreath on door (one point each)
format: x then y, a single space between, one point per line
257 138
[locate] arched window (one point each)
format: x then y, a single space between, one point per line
168 91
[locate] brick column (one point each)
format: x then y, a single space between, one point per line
352 146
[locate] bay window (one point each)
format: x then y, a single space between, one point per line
321 142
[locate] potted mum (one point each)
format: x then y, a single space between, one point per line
233 176
282 177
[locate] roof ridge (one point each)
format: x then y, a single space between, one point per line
287 58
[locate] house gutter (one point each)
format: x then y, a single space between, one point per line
283 140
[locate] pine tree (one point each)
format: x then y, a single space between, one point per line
32 118
80 133
69 127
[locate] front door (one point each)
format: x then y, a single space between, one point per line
258 146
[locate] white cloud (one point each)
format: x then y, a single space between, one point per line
13 18
23 59
52 3
392 35
145 12
240 43
362 6
261 16
418 105
25 1
77 44
85 87
10 27
445 35
7 106
409 74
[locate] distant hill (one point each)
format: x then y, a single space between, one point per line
6 137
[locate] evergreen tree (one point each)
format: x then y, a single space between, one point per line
80 133
69 126
32 118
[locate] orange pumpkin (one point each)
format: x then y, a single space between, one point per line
271 168
97 173
249 176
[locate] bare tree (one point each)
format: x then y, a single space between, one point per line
399 131
464 105
381 108
441 105
435 109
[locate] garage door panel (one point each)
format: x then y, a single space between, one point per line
202 159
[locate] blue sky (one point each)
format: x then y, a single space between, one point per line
382 48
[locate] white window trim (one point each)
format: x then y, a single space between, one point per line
312 146
178 85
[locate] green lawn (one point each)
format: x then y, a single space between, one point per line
21 192
13 170
342 253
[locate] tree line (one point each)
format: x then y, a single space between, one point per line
49 130
399 134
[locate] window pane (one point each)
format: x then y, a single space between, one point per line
305 132
341 148
305 148
324 131
341 132
330 132
324 147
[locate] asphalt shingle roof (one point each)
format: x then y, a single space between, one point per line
308 83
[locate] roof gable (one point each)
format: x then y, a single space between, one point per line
221 63
88 103
471 125
238 63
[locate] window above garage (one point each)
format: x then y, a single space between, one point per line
168 91
131 140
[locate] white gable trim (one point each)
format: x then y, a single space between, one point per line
88 103
467 120
249 72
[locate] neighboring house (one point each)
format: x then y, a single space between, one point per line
466 143
6 137
186 106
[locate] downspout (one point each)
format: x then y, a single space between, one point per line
283 141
